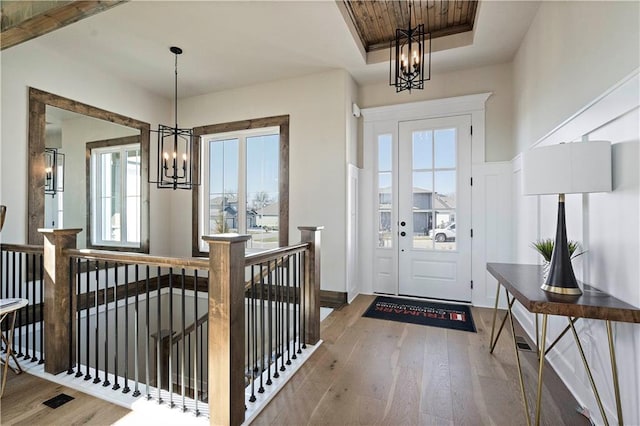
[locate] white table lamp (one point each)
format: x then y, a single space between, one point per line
566 168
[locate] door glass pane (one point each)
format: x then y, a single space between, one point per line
444 235
422 190
263 207
422 223
384 153
384 209
422 149
445 190
385 194
445 148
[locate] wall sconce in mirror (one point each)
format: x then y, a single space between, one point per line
53 171
175 148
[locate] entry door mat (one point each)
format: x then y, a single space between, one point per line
445 315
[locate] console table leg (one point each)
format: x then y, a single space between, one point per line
515 348
495 314
614 371
586 367
537 337
504 320
543 339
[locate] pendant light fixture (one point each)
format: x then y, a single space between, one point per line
175 148
407 57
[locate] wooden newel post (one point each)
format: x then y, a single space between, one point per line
226 328
311 291
59 301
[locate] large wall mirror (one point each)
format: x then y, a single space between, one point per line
106 174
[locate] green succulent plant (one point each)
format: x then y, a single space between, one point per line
545 248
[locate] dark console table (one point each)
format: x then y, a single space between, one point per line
522 283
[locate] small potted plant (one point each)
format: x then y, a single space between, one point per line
545 248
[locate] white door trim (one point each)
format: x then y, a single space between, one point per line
386 117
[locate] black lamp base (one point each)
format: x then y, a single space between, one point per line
561 279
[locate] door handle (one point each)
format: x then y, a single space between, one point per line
403 223
402 234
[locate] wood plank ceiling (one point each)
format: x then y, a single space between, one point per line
376 21
23 20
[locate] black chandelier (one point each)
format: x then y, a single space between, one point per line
175 148
407 59
53 171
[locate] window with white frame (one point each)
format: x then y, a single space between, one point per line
240 185
115 195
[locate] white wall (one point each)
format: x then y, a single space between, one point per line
496 79
30 65
317 112
573 53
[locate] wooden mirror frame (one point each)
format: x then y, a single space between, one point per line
38 101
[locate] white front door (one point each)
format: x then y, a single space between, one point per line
434 208
423 208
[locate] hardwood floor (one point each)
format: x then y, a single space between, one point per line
367 371
371 371
22 404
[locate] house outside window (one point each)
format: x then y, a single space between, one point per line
240 185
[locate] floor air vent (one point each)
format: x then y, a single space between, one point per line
58 400
522 344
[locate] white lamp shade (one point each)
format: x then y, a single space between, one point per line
567 168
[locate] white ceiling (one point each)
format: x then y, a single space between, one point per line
231 44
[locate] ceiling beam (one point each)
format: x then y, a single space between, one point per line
24 20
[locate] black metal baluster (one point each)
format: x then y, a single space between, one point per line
270 322
97 327
296 300
158 340
126 388
116 386
20 318
262 333
88 317
201 340
34 358
170 380
184 338
3 283
106 381
29 274
72 293
274 354
247 333
136 330
13 293
303 322
282 313
41 361
195 334
251 336
78 311
287 271
147 357
4 288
